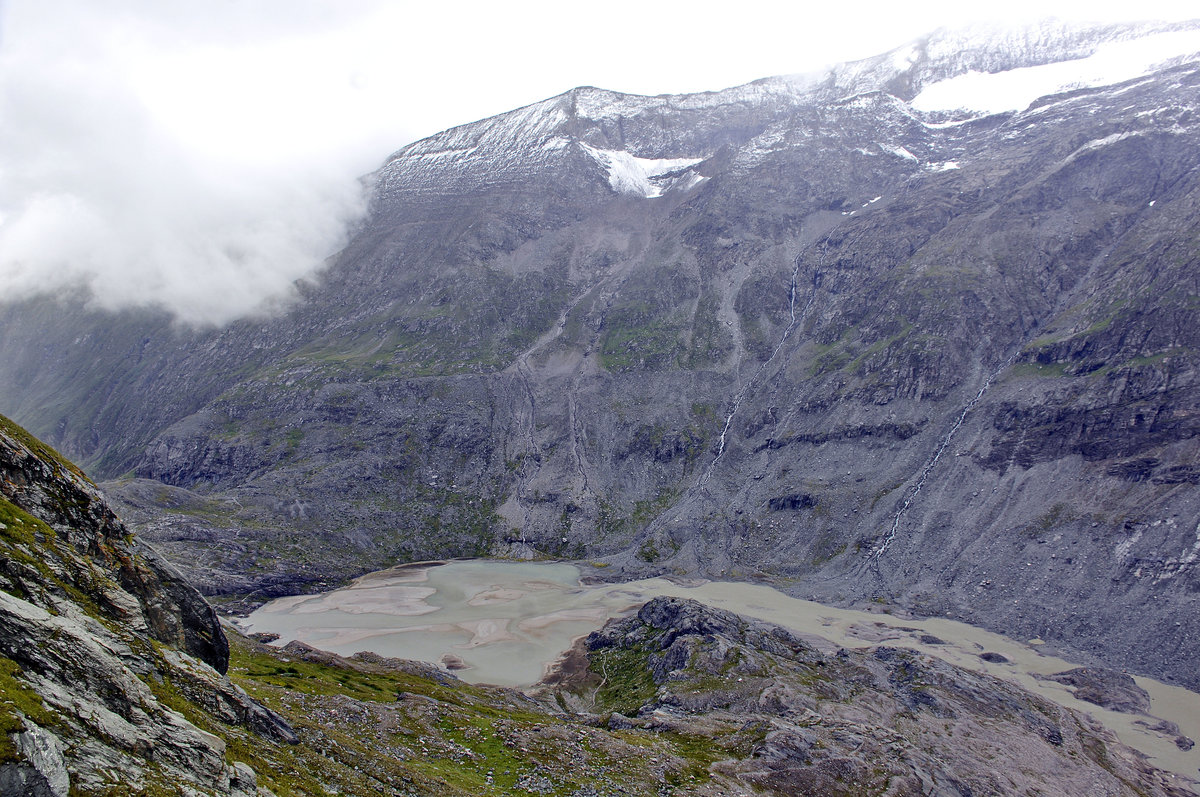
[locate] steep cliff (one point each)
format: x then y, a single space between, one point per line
104 645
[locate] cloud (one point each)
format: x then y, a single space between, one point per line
102 193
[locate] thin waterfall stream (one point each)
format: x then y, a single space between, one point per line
740 396
881 548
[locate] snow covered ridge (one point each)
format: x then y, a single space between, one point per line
628 174
940 81
540 124
601 104
1017 89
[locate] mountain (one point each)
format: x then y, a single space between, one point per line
113 683
883 721
831 331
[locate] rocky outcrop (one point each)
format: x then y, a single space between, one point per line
136 586
105 648
882 720
1107 688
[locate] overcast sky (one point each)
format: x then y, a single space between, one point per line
201 156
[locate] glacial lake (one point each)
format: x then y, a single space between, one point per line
503 623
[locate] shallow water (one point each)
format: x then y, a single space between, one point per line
504 622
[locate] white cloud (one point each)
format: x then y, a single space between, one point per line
102 188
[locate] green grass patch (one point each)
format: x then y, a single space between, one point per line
17 700
698 754
1055 516
43 451
856 365
626 681
25 539
654 345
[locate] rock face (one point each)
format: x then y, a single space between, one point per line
139 588
801 329
1107 688
683 700
104 644
852 722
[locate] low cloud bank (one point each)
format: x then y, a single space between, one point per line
102 195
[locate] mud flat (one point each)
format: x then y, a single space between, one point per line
505 622
499 622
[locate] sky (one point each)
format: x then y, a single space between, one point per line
200 157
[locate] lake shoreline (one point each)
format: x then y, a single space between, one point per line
508 623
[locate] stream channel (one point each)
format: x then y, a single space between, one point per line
503 623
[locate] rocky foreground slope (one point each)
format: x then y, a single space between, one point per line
880 721
811 330
105 650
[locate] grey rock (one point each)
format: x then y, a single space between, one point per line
619 722
24 780
139 588
43 751
1107 688
42 771
79 676
89 618
860 721
244 779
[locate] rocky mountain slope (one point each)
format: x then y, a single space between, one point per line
682 699
112 683
106 650
810 330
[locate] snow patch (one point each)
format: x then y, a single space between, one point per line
945 166
950 124
693 179
629 174
602 105
905 57
446 154
1016 89
899 152
1097 143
